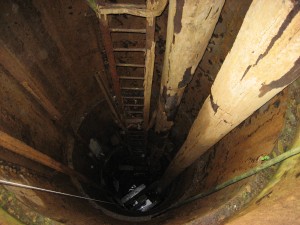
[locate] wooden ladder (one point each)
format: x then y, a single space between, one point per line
133 91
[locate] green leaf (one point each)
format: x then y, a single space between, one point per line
264 158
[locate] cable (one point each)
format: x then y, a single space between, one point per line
236 179
4 182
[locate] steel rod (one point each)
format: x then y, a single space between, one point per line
5 182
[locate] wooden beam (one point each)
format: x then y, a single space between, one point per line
131 78
130 65
131 9
124 30
264 59
14 145
190 27
23 76
129 50
149 63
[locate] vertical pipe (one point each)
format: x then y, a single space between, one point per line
190 26
264 59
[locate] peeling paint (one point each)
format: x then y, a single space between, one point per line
282 28
213 104
171 106
183 53
186 78
149 68
286 79
178 16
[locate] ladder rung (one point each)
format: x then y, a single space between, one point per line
135 137
134 111
136 140
137 134
135 117
129 50
132 88
134 105
122 6
141 132
130 137
133 97
137 146
136 143
131 78
124 30
136 131
138 151
134 120
130 65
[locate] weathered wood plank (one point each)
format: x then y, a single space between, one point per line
23 76
190 27
149 65
131 9
264 59
124 30
10 143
